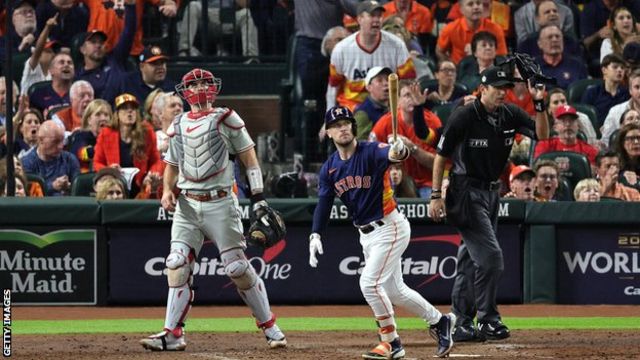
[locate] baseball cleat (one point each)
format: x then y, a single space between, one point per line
275 337
386 350
442 332
494 330
166 340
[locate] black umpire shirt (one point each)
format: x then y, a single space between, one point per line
479 143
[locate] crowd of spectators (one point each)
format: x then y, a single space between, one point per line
82 104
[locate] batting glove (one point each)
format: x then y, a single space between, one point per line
398 150
315 247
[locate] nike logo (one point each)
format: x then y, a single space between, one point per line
331 171
190 129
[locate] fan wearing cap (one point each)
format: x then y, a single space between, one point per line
521 183
377 102
102 67
37 67
478 139
129 142
358 174
150 75
356 54
566 125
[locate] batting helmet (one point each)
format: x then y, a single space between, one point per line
204 95
338 113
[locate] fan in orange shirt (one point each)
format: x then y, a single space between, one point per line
454 41
420 137
108 21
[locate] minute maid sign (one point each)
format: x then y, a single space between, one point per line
58 268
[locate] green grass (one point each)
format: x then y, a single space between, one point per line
298 324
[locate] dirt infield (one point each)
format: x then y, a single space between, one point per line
552 344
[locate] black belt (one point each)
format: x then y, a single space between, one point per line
365 229
479 184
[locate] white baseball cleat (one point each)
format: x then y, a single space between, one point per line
275 337
166 340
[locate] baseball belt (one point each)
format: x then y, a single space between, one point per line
205 196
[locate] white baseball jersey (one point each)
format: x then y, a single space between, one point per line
200 146
350 64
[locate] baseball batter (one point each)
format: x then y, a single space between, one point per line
201 141
358 174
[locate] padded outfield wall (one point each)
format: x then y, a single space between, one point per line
78 251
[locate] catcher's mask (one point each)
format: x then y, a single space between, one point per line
199 87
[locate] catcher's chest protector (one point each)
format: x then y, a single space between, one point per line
202 150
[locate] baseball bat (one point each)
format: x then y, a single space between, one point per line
393 103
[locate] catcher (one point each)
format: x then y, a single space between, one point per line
201 141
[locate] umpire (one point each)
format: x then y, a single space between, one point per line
478 139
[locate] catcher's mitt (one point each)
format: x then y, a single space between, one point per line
267 227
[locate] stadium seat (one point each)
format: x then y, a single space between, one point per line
38 85
574 166
564 192
591 112
83 185
578 87
37 178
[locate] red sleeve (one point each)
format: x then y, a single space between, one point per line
99 155
380 128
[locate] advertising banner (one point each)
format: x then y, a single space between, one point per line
606 259
136 269
46 266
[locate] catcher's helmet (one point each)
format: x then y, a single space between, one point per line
338 113
203 95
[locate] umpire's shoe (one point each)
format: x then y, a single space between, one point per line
467 333
494 330
386 350
166 340
442 332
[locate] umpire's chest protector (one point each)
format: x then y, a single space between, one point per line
202 150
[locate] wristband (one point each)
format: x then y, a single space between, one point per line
435 196
539 105
437 191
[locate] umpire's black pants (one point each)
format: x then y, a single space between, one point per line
480 261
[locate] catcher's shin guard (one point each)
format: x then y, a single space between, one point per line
250 286
180 264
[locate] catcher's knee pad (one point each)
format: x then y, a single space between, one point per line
179 265
237 267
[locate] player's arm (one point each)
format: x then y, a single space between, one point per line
436 204
320 216
169 179
542 121
250 162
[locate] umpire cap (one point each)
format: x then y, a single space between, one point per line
496 76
